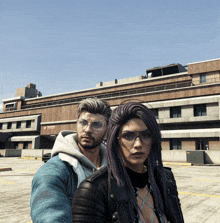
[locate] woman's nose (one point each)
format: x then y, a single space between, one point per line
137 141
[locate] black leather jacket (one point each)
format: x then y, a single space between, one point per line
100 200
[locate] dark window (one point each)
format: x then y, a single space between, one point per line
202 144
9 125
155 112
18 125
28 124
200 110
16 145
2 145
9 105
202 78
175 112
175 144
25 145
1 126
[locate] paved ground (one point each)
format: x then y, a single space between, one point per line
199 191
15 189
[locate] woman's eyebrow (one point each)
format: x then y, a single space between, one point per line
127 131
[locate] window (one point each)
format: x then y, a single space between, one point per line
202 78
11 106
2 145
16 145
200 110
9 125
25 145
1 126
28 124
155 112
18 125
175 112
202 144
175 144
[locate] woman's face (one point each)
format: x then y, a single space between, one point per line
135 144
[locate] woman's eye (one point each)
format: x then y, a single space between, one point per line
128 136
146 135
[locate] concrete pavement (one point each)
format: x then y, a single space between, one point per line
198 186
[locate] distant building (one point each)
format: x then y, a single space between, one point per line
184 99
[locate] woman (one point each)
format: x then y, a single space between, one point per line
134 187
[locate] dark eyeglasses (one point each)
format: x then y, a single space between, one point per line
97 125
128 138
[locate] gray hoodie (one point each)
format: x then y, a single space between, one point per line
67 148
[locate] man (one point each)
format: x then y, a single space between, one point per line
75 156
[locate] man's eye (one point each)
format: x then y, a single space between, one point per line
83 122
97 124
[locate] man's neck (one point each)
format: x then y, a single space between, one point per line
93 155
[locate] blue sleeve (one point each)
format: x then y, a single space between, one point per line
52 192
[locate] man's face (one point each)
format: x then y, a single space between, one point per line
91 130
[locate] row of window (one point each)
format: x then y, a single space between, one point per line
18 125
175 112
200 144
25 145
113 94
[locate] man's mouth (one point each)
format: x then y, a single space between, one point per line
87 138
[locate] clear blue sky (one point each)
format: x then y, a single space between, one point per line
69 45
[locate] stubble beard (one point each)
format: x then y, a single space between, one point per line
95 144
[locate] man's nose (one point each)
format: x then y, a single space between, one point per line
88 128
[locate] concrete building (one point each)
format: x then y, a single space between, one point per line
184 99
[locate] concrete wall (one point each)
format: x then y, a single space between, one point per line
211 157
34 152
12 153
165 144
174 156
214 145
23 152
188 145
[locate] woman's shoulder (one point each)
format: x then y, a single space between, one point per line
97 178
168 173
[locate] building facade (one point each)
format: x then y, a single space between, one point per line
185 101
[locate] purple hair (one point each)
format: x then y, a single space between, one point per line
120 116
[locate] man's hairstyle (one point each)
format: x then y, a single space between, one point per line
95 106
119 117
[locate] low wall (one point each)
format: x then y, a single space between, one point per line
34 152
23 152
12 153
2 152
173 156
211 157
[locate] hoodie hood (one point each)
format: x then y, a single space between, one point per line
66 143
